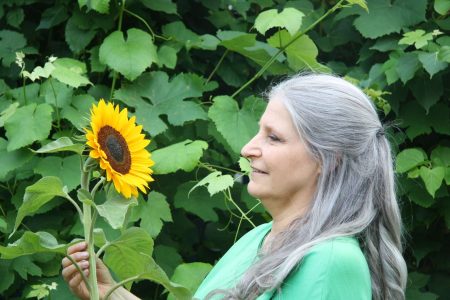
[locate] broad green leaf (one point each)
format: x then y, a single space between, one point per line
99 237
25 266
56 93
129 255
31 243
165 94
76 35
215 182
65 168
167 258
78 113
8 112
418 194
154 273
179 33
38 194
361 3
431 62
432 178
15 17
408 159
102 6
129 57
3 225
289 18
190 275
407 66
418 38
388 16
53 16
70 72
10 43
244 164
40 72
414 118
11 160
167 56
440 156
61 144
152 213
442 6
181 156
301 54
28 124
247 45
166 6
236 125
427 92
7 275
444 54
115 208
199 202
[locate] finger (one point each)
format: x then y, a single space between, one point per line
76 280
69 272
77 256
78 247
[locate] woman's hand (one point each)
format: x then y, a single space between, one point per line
79 253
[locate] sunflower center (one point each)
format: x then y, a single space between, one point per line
116 149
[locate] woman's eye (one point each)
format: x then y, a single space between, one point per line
274 138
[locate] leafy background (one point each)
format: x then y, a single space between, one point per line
189 71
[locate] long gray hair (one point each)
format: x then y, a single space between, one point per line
355 191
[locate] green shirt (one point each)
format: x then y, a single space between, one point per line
332 270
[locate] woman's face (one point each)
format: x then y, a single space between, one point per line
282 168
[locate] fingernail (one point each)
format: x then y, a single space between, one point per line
84 255
84 264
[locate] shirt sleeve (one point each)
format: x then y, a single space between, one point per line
334 270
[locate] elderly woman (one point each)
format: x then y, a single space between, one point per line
322 167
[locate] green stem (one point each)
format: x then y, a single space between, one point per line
216 67
77 207
119 284
119 28
88 224
103 248
58 120
24 91
142 20
97 186
238 208
296 37
86 281
211 167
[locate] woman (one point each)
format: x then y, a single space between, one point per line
322 167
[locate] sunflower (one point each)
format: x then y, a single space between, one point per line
119 146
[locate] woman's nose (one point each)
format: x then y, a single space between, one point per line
251 149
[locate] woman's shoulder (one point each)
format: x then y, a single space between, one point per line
333 269
337 255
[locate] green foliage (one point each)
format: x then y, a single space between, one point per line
192 73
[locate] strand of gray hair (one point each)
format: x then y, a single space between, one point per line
355 190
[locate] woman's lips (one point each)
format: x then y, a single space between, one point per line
258 171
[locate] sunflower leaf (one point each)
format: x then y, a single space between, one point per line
129 57
115 208
31 243
181 156
129 255
190 275
61 144
37 195
215 182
